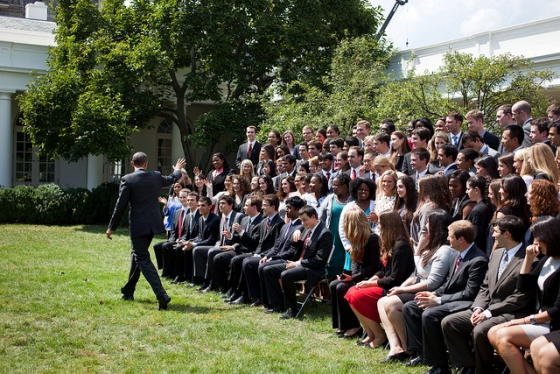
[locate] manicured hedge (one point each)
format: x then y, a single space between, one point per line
51 205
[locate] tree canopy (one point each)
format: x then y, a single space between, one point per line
116 68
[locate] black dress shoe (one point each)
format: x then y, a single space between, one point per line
415 361
128 297
288 314
257 303
178 280
163 301
240 300
233 297
192 285
399 357
202 288
275 309
465 370
208 289
439 370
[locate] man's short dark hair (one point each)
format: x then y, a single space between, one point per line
359 151
472 136
272 200
512 224
506 108
388 126
423 133
256 201
515 131
139 159
455 115
304 144
352 141
295 201
290 159
205 200
555 123
316 143
554 108
228 199
339 142
422 153
325 155
309 211
450 150
383 137
542 124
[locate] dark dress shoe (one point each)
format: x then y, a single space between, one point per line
207 289
439 370
226 294
178 280
465 370
202 288
128 297
233 297
240 300
275 309
399 357
288 314
257 303
192 285
415 361
163 301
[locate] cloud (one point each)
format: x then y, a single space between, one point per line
483 20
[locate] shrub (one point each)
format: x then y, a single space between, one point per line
51 205
8 208
24 197
102 202
80 205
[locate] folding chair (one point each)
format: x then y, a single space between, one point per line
323 279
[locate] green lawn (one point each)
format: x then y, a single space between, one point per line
61 312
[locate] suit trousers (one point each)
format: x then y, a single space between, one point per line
424 333
288 277
271 275
460 335
200 257
183 263
236 278
343 317
140 262
158 251
260 270
169 260
251 274
222 263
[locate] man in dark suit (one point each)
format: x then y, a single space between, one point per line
270 232
141 189
176 234
423 315
183 259
203 256
497 301
249 150
317 246
208 236
289 166
447 154
475 122
453 122
419 159
283 250
420 138
244 237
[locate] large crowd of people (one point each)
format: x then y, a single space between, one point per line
441 241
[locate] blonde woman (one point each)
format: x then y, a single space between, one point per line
247 170
540 156
522 166
440 138
385 199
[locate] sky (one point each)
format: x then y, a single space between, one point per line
426 22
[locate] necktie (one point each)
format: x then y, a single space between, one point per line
180 224
288 230
224 229
267 224
353 174
305 243
454 137
503 264
459 259
249 150
328 176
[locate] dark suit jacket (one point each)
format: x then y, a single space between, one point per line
211 233
491 140
399 266
251 235
480 216
175 225
242 154
406 169
370 262
141 189
414 174
316 255
451 169
348 172
285 248
461 288
235 217
268 238
501 296
188 233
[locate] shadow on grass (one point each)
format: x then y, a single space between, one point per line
121 231
176 307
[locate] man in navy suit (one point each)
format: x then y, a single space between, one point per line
249 150
423 315
475 122
284 250
141 189
316 249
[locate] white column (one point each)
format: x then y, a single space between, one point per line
6 139
176 145
94 171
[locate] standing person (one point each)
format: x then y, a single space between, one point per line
521 113
250 149
218 175
481 214
290 141
399 147
141 189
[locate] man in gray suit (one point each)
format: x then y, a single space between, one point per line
141 189
497 301
521 113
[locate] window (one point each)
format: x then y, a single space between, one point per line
30 168
164 132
